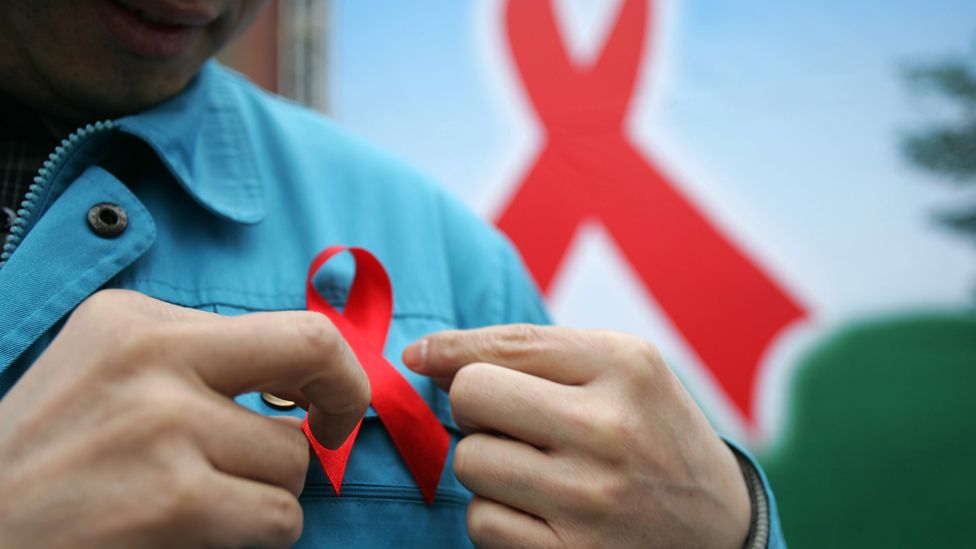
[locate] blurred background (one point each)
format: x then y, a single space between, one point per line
779 195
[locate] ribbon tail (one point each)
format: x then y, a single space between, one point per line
416 432
428 472
333 461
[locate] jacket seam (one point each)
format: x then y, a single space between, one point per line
297 297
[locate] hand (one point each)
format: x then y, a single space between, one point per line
122 434
582 439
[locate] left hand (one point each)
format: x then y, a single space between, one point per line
582 438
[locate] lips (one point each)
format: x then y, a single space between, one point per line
154 29
168 14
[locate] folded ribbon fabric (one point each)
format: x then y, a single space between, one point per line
416 432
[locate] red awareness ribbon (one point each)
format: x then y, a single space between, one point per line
724 305
416 432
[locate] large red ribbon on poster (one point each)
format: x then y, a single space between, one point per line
722 303
416 432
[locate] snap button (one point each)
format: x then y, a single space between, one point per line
107 220
277 403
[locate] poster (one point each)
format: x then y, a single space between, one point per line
744 185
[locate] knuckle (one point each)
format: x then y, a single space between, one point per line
589 497
324 344
317 333
480 527
523 333
101 316
445 346
181 498
283 517
579 419
138 343
127 330
522 339
609 431
602 499
187 494
640 362
608 494
648 353
465 380
613 422
462 457
468 382
162 409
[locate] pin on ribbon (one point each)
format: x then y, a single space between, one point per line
416 432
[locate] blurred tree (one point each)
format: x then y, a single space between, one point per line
949 149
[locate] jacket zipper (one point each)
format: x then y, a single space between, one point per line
38 190
379 492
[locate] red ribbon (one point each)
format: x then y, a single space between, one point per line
416 432
725 306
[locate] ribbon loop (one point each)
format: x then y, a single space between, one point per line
369 305
416 432
561 91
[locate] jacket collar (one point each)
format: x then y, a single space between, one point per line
201 137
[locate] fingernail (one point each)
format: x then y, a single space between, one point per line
415 356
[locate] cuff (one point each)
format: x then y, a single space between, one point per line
758 537
764 528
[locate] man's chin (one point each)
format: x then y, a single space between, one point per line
103 106
111 97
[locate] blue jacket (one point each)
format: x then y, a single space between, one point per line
229 193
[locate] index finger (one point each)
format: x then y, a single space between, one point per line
563 355
281 351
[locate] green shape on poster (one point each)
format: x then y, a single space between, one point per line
881 445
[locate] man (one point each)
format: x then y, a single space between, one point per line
197 194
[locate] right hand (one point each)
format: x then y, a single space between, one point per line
124 433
